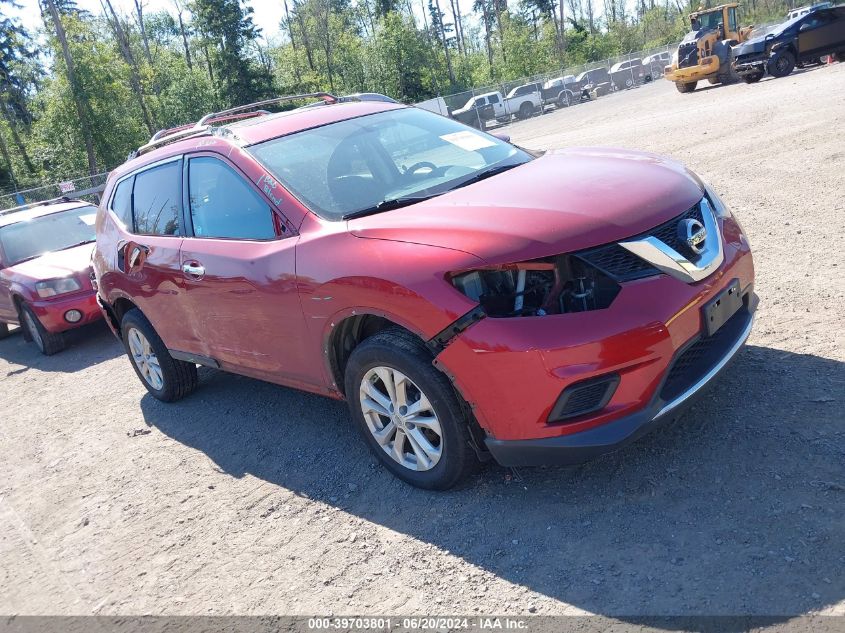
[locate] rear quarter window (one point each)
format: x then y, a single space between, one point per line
121 202
157 200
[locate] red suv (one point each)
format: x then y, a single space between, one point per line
468 299
45 270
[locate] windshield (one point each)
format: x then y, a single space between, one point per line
708 21
47 233
353 165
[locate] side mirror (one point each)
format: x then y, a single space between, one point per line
805 27
502 136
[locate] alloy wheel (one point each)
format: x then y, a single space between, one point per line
401 419
145 359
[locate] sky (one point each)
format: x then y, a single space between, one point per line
267 13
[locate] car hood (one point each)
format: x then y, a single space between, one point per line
757 45
56 264
564 201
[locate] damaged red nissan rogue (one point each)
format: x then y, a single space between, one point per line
468 299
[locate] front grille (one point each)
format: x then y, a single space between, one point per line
618 263
688 55
701 356
622 265
668 231
584 397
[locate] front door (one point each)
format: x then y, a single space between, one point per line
820 32
238 265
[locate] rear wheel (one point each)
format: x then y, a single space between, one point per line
166 378
686 87
752 79
563 100
47 342
407 411
525 110
781 63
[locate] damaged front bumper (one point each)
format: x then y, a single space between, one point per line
514 373
751 65
586 445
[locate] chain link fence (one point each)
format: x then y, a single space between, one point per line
485 106
84 187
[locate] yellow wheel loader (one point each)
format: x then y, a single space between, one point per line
705 52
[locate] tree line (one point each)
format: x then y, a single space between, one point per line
86 88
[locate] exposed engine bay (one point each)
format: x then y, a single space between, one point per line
555 285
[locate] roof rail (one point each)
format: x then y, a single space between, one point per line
179 128
325 96
40 203
203 126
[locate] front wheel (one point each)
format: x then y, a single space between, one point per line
563 101
752 79
166 378
781 64
407 411
686 87
48 343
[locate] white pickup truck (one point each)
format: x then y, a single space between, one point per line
521 102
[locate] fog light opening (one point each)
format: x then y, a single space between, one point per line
73 316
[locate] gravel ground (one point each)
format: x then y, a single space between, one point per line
248 498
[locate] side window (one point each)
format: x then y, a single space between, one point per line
494 98
223 205
481 101
732 19
157 200
121 202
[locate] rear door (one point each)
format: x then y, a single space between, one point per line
149 255
819 33
238 266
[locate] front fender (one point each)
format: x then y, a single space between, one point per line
340 275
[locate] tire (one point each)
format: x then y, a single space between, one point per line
525 110
563 100
396 357
629 82
686 87
781 63
47 343
4 330
840 57
647 79
752 79
712 81
173 379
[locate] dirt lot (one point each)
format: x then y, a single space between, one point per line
249 498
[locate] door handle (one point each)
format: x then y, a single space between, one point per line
193 270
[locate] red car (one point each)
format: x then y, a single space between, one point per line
45 270
468 299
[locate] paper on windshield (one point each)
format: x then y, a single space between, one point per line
469 141
89 218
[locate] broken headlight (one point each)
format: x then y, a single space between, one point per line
555 285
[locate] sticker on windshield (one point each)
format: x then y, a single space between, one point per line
470 141
89 218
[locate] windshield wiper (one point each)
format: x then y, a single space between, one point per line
387 205
487 173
